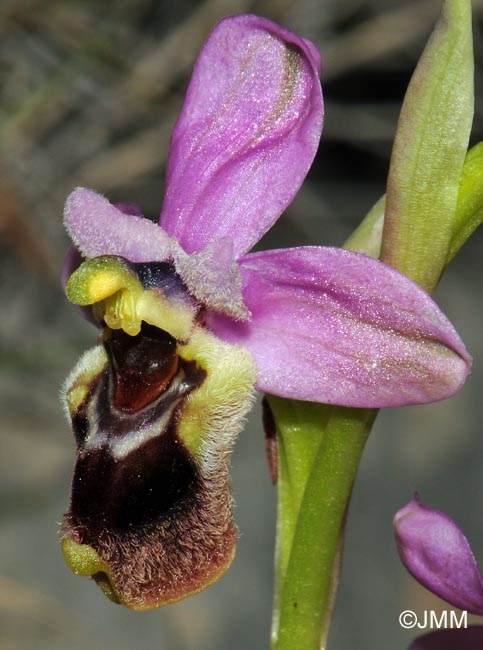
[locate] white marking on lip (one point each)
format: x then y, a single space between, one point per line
122 446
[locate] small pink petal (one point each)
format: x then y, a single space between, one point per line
99 228
470 638
213 277
246 136
333 326
129 208
435 551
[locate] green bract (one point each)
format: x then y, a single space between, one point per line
429 151
469 209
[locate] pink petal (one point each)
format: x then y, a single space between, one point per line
470 638
246 137
99 228
129 208
435 551
212 275
333 326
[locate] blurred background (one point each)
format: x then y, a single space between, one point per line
89 92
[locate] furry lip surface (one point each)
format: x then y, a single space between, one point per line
132 467
133 472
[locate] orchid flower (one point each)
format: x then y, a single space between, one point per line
436 552
192 323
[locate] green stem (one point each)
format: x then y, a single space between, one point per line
311 518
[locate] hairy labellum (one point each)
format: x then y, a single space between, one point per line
154 419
